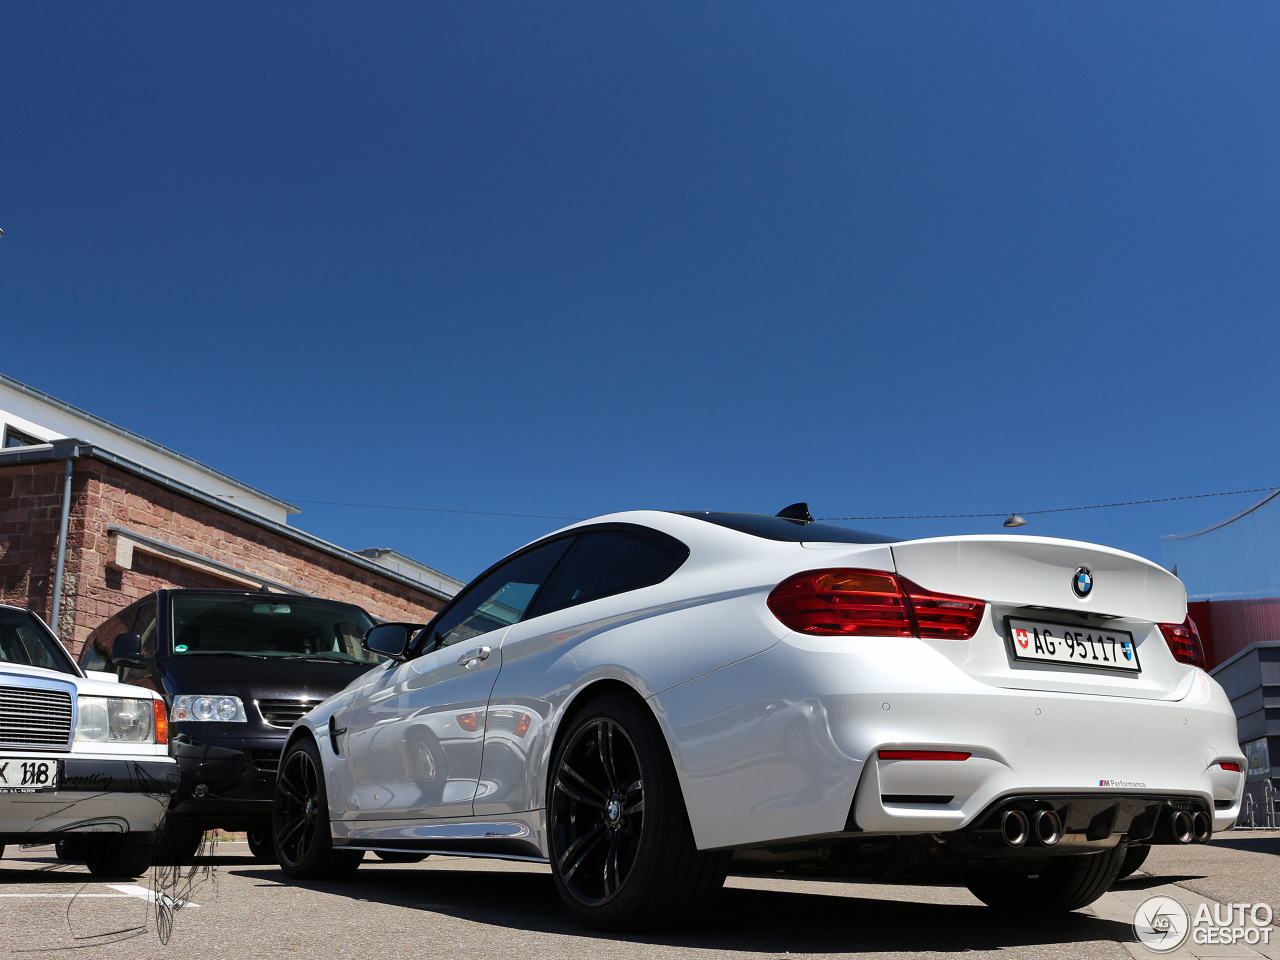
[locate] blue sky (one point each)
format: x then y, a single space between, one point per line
563 259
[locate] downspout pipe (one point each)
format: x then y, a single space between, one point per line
63 524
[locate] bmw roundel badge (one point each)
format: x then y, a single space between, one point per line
1082 582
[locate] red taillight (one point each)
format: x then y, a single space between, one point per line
1232 766
469 721
871 603
1184 642
849 603
162 721
923 755
943 617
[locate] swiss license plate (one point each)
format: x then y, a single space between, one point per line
28 774
1075 646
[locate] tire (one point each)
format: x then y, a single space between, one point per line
300 819
1135 857
124 855
622 851
180 842
1057 885
392 857
262 843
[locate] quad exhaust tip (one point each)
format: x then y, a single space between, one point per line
1014 827
1047 826
1201 827
1182 826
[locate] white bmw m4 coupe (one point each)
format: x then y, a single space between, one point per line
648 701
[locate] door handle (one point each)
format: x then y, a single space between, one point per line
472 657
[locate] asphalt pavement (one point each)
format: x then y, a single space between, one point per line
456 908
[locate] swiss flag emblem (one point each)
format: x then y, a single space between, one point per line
1022 638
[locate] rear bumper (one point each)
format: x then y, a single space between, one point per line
784 745
97 796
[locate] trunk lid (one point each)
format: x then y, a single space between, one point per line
1031 579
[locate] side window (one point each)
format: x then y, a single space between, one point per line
608 562
498 599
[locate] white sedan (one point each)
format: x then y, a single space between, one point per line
84 761
650 700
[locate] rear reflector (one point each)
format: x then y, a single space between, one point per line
923 755
1232 766
1184 642
872 603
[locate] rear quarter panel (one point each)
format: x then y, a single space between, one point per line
707 616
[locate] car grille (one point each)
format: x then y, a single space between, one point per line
284 713
35 718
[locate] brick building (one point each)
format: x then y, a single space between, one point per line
138 516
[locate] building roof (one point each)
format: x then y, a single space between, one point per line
71 421
72 449
411 568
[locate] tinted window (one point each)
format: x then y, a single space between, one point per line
25 642
794 531
608 562
267 625
499 598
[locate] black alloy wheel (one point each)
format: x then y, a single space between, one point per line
622 852
598 810
300 819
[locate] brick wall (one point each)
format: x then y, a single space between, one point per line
30 505
104 495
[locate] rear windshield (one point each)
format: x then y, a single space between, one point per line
25 641
794 531
268 626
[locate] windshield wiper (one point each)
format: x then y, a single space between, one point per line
223 653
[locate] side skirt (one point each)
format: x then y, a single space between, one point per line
518 836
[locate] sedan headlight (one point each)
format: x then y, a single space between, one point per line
115 720
208 706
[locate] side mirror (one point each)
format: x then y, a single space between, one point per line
126 651
390 639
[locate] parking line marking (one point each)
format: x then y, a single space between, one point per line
146 893
56 896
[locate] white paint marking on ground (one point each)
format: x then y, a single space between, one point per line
63 896
146 893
